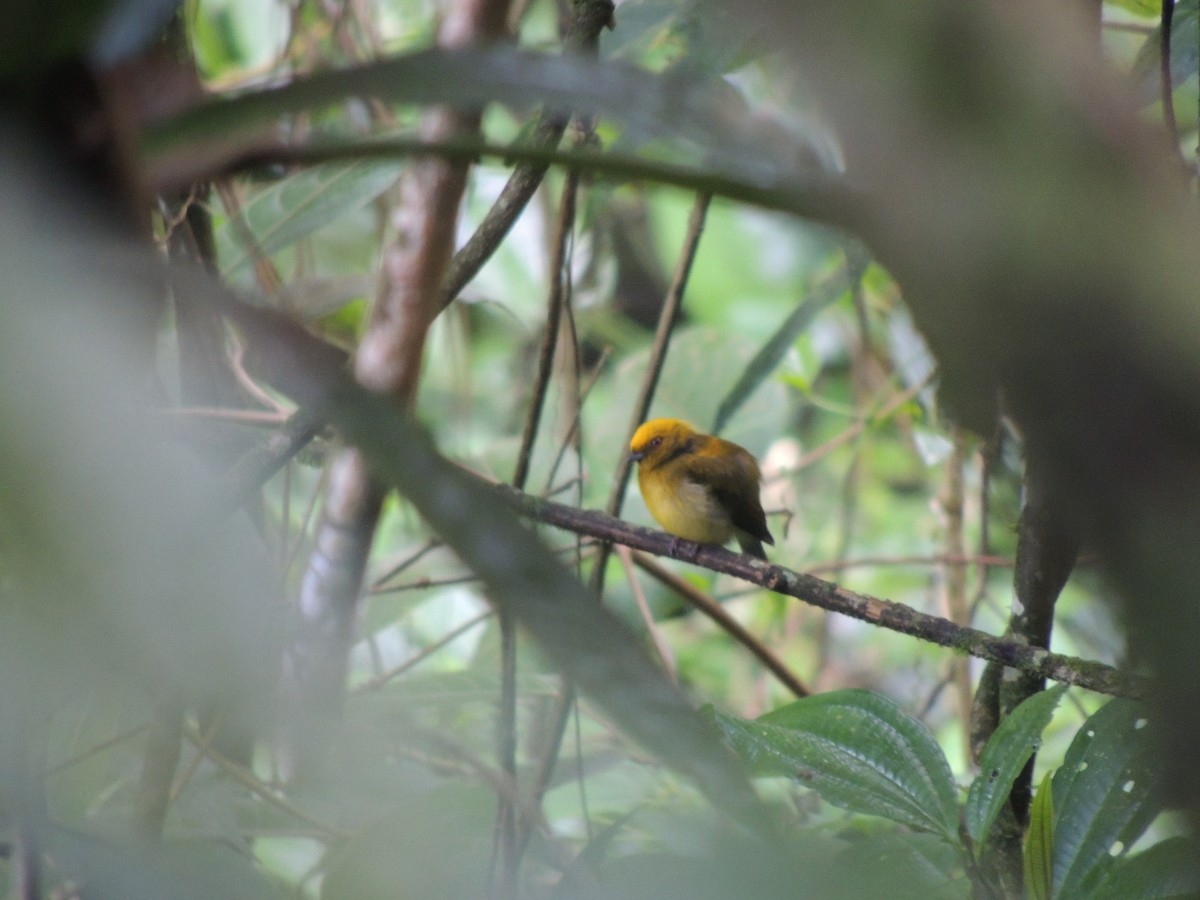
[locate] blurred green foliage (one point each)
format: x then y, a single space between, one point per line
117 589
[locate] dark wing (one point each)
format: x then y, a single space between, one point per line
732 479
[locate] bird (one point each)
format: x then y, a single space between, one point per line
700 487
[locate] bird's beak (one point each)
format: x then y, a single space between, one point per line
636 456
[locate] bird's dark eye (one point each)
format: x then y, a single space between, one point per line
654 442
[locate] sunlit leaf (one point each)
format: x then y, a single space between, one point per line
1039 843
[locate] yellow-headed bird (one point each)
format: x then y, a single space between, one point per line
700 487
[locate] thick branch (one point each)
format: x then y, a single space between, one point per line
388 360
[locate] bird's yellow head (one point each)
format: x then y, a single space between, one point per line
659 440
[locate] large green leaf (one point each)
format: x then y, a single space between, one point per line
860 751
434 847
1006 753
1105 795
298 205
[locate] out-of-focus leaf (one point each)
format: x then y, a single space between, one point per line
1005 755
910 866
317 297
184 872
109 573
722 866
731 137
698 36
773 352
434 847
298 205
1039 843
1185 53
640 25
130 26
1170 870
1105 795
37 35
859 751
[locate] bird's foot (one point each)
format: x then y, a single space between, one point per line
682 548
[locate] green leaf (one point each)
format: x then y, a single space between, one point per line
773 352
904 865
860 751
186 871
1039 843
1105 795
1167 870
435 846
298 205
1005 755
1140 7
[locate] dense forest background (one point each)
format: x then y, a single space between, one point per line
324 329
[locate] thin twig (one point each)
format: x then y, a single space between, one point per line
410 560
256 786
583 35
932 559
884 413
258 466
249 416
508 837
711 608
652 629
383 678
554 312
670 312
1164 70
949 504
672 305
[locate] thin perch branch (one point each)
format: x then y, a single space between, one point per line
887 614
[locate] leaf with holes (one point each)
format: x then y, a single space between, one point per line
1105 795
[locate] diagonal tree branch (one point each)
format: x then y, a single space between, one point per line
827 595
